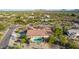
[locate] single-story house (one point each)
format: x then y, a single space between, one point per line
43 32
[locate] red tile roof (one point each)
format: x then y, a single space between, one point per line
39 32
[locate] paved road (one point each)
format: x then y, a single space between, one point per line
6 38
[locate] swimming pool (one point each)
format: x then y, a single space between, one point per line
37 39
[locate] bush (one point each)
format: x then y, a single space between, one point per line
73 15
73 45
52 39
58 31
63 40
24 39
2 27
19 21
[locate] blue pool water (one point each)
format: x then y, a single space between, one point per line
37 39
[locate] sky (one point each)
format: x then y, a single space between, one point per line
39 4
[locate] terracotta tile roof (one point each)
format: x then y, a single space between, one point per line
39 32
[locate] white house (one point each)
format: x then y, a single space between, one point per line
73 33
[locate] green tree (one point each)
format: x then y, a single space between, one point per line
18 47
24 39
73 45
18 17
73 15
1 36
19 21
58 32
63 40
52 39
78 17
2 27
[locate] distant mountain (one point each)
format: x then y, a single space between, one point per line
72 10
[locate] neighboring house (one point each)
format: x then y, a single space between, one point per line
73 33
75 25
47 16
13 36
76 21
45 20
31 17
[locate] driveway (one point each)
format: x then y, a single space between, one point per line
6 38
